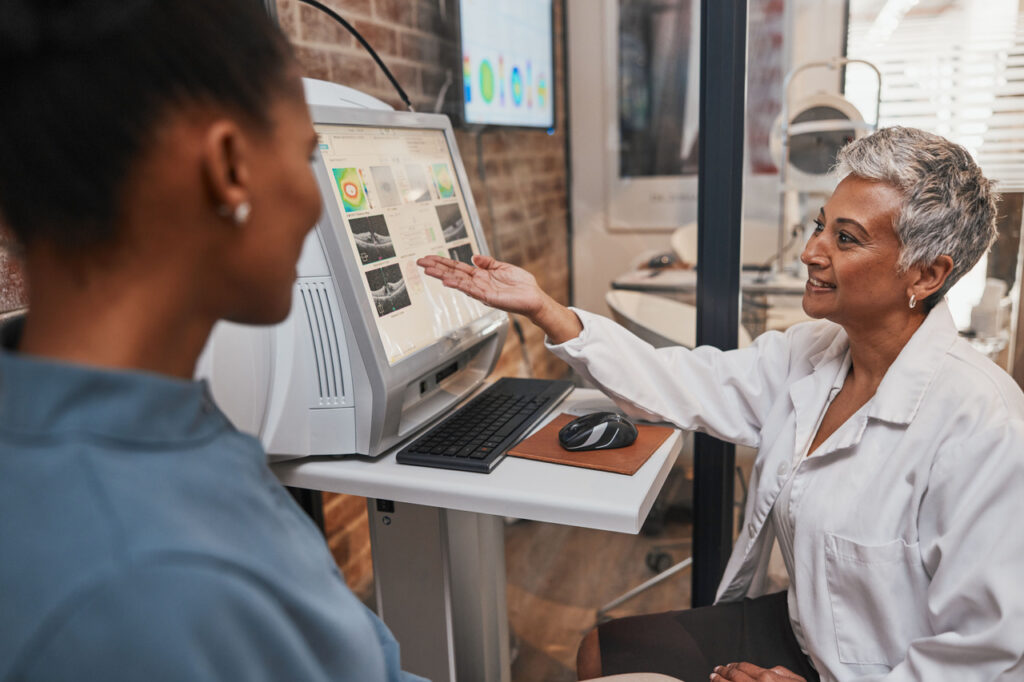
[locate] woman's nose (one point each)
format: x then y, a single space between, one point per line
812 252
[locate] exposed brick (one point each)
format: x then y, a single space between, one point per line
288 17
317 27
352 69
358 573
433 80
401 12
13 293
547 185
341 510
315 63
421 48
350 8
383 39
408 77
429 19
552 163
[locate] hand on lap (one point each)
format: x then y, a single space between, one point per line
748 672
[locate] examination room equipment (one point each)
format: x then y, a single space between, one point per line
372 351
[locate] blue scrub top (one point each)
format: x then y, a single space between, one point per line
142 537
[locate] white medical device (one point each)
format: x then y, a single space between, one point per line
372 350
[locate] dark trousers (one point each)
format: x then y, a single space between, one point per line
689 644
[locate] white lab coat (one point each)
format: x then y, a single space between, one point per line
909 558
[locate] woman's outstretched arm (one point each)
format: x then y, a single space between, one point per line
506 287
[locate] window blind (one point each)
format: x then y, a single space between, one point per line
955 68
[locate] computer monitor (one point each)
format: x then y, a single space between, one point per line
373 350
394 193
508 66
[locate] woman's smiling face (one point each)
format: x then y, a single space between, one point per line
852 258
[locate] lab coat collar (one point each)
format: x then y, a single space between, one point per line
897 398
904 385
808 394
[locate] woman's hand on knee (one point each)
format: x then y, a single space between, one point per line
748 672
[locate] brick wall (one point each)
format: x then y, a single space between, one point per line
525 171
12 285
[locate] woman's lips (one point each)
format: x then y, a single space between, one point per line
819 284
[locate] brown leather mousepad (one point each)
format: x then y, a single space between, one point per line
544 446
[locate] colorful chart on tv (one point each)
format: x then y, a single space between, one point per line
507 62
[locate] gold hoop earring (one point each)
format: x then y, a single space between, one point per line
913 301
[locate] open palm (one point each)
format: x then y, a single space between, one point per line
500 285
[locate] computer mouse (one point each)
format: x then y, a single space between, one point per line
597 431
663 260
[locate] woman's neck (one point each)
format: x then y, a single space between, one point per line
91 318
873 349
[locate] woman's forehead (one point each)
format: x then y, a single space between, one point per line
872 204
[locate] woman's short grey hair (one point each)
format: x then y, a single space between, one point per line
949 207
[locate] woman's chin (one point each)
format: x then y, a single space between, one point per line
815 312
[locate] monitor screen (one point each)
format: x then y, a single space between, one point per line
507 62
398 193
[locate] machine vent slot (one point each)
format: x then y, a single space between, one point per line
326 353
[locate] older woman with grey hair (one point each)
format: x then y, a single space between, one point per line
891 453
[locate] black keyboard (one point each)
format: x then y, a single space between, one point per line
479 434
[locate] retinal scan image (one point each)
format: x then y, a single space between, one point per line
463 253
387 287
387 189
373 240
452 224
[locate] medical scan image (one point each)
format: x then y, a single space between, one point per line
462 253
373 240
387 188
387 287
452 223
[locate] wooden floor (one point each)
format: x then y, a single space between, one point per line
558 577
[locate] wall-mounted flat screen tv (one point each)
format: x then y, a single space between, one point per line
508 72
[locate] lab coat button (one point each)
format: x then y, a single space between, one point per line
751 529
783 469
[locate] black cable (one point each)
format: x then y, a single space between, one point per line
362 41
495 247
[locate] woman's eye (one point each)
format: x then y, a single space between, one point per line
818 226
844 238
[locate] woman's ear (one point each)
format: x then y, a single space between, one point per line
931 277
225 162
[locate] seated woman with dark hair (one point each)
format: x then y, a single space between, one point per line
154 168
891 453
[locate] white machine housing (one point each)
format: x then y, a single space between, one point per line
319 383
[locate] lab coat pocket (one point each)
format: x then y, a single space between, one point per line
878 594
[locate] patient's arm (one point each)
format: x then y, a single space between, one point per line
507 287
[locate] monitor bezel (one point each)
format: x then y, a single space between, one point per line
464 123
346 270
